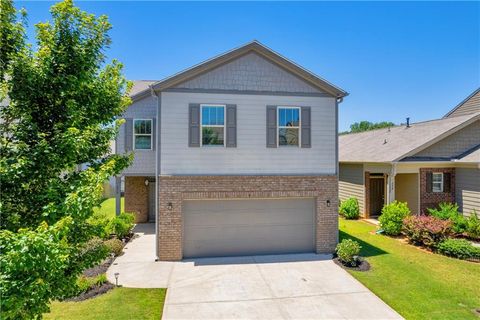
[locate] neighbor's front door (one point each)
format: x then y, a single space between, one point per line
377 196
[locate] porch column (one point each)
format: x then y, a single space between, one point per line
118 194
391 184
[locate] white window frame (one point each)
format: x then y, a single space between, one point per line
143 134
224 106
441 182
284 127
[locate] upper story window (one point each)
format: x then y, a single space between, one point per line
213 125
288 126
142 134
437 182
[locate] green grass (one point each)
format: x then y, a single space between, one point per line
118 304
107 207
416 283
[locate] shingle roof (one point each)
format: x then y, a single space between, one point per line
140 85
474 156
395 143
253 46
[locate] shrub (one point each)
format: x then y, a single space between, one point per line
392 217
459 248
473 225
121 225
449 211
100 225
115 246
86 283
348 251
349 208
426 230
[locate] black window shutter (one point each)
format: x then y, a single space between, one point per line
231 125
429 181
128 134
271 126
194 125
306 135
447 182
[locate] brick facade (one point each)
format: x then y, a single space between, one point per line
136 198
432 199
175 189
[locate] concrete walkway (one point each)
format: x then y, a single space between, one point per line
296 286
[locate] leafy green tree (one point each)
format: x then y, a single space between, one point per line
367 126
61 112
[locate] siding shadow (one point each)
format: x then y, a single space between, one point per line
276 258
367 249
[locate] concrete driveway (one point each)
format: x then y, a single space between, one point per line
296 286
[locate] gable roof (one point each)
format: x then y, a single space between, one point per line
470 104
224 58
398 142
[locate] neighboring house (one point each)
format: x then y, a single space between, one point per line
235 156
422 163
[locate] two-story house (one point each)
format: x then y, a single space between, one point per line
237 155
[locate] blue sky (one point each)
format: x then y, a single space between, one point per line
396 59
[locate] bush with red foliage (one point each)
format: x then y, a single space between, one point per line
427 231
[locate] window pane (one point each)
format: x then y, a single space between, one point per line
138 126
148 126
220 117
282 120
205 116
295 117
212 136
212 116
288 137
437 177
437 187
143 142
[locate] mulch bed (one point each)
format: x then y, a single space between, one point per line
95 271
363 266
93 292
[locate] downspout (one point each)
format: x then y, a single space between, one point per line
157 164
391 185
337 168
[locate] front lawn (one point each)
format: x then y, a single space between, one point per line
118 304
107 208
416 283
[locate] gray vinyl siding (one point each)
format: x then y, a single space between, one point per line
472 105
351 183
144 160
455 144
251 156
467 189
250 73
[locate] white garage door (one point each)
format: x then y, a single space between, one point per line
248 227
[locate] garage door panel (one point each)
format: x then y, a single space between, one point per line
227 218
245 227
247 231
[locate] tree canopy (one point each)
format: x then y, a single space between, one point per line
367 126
61 105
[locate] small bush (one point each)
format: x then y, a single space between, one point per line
100 225
427 231
115 246
349 208
86 283
121 225
473 226
391 219
348 251
449 211
459 248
